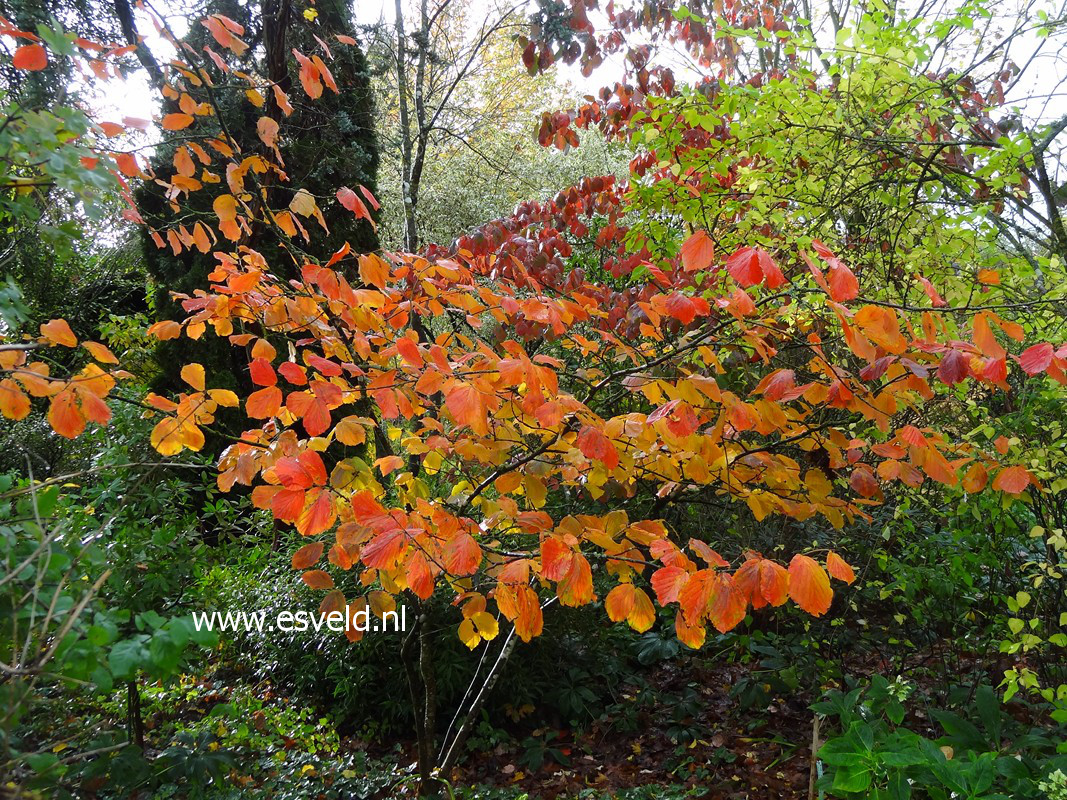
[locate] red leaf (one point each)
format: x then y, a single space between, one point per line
744 266
595 445
1037 359
772 275
953 368
936 300
30 57
262 373
685 308
843 284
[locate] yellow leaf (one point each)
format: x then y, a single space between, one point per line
303 203
486 625
193 374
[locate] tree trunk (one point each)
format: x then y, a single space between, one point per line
407 138
134 721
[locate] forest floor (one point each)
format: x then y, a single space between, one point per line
707 743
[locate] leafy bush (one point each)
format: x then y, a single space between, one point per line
874 755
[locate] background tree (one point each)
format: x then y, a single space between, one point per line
484 156
321 144
437 62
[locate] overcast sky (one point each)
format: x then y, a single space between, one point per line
1042 94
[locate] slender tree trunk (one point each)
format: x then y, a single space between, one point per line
407 137
133 714
451 752
428 745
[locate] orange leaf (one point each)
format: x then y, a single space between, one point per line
264 403
697 252
556 558
595 445
30 57
164 330
976 479
643 615
268 131
307 555
839 568
384 550
726 605
409 351
695 595
462 555
467 407
620 602
843 284
350 431
58 332
809 585
318 515
773 582
64 415
317 579
1012 480
668 582
14 404
177 122
576 587
193 374
373 271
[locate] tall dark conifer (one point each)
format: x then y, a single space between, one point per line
326 143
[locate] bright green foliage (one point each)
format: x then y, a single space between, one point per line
875 755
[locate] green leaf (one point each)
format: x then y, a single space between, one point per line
852 778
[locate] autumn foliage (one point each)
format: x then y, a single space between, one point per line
427 421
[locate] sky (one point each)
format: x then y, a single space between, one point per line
1041 95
